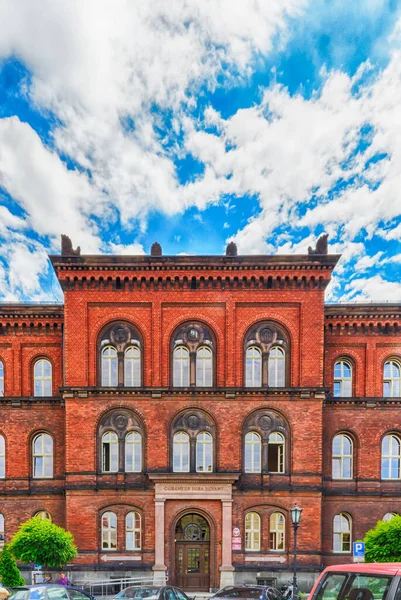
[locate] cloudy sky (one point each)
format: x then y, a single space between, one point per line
196 122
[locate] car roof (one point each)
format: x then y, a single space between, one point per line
379 568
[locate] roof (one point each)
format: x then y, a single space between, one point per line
373 568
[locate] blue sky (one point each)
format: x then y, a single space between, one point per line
197 122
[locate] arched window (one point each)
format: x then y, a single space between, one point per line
1 379
277 531
181 452
204 367
42 378
388 516
43 514
133 531
342 379
132 367
204 452
252 531
109 367
133 452
253 367
109 452
42 456
342 527
392 379
109 531
275 453
2 457
342 457
181 367
276 367
253 452
1 530
391 457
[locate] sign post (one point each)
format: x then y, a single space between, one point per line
359 551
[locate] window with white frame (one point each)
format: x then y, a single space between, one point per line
181 367
277 531
204 367
181 452
389 516
392 379
342 457
133 452
252 531
42 378
43 514
342 538
253 367
109 531
275 453
1 530
42 454
1 379
204 452
391 457
276 364
133 531
132 367
109 452
109 367
342 385
253 452
2 457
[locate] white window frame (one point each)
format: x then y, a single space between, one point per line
252 532
277 525
204 375
252 439
107 357
342 456
277 439
135 529
132 367
43 514
47 457
2 457
110 438
392 381
204 448
181 441
181 357
342 531
389 516
133 442
253 355
2 531
1 378
344 380
276 367
109 530
393 455
45 382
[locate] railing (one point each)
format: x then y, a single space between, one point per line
106 588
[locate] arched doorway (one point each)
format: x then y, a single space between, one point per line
192 553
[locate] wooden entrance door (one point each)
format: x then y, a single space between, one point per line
192 566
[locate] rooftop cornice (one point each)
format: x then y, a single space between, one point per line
362 311
31 311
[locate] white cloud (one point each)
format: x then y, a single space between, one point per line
373 289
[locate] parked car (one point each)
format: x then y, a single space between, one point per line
48 591
376 581
249 592
151 592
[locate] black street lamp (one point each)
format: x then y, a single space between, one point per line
295 513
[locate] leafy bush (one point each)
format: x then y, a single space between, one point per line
42 542
9 570
383 543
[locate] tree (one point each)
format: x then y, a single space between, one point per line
8 569
383 543
42 542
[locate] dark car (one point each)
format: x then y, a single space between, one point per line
152 592
249 592
48 591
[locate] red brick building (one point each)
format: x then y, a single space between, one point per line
175 408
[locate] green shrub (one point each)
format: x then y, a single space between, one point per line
9 570
383 543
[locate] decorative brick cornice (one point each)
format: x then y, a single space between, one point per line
363 402
33 319
19 401
363 319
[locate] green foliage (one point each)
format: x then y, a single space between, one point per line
42 542
9 570
383 543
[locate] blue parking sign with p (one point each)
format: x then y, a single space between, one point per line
359 549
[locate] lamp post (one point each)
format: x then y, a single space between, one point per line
295 513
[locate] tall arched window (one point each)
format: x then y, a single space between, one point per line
204 367
277 531
1 530
109 531
42 378
1 379
342 530
181 367
275 453
204 452
181 452
392 379
109 367
253 452
133 531
253 367
342 457
276 367
342 386
389 516
42 454
43 514
391 457
110 452
133 452
2 457
132 367
252 531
